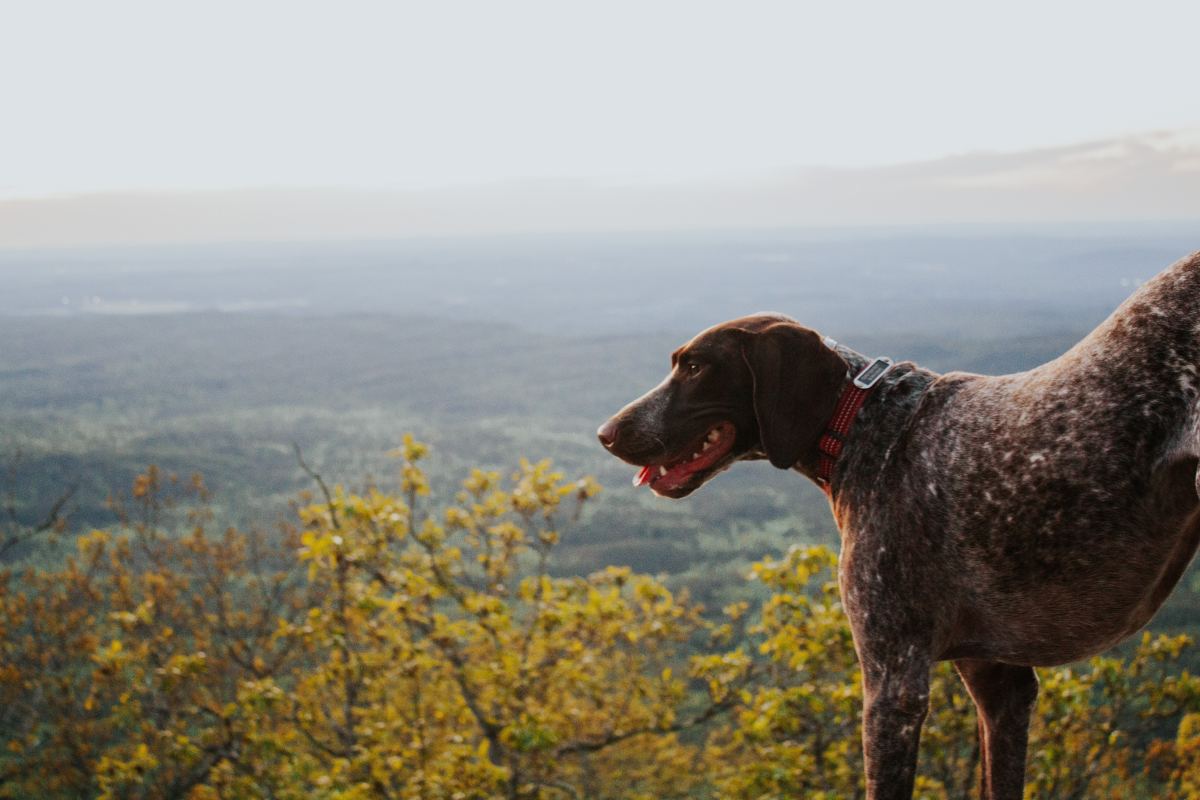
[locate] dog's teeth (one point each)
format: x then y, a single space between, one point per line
662 470
713 435
695 455
706 446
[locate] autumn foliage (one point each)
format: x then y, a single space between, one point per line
384 646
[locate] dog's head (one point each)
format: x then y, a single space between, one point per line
761 386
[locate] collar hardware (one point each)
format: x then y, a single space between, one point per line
872 372
833 440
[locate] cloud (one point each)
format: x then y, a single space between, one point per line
1154 176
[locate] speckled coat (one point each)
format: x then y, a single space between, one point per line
1029 519
1000 522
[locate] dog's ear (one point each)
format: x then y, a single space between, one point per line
797 380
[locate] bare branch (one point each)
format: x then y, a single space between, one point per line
55 515
704 716
314 741
333 517
53 519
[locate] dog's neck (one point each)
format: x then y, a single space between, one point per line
898 392
855 361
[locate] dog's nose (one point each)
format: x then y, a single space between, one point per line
607 434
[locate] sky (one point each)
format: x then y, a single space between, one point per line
118 96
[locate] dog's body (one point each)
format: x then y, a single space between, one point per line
1000 522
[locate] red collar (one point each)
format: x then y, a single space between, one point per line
844 413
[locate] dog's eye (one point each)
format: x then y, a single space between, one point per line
693 368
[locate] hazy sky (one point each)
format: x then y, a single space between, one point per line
115 96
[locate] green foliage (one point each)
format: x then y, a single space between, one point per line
382 645
795 734
401 652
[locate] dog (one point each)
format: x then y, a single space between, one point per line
1000 522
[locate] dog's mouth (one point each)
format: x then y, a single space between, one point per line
699 461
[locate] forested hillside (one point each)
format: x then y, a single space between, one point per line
412 635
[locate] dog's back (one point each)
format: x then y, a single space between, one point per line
1060 491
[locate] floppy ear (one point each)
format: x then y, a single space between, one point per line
797 380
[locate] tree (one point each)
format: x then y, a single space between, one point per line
446 659
122 670
401 653
382 646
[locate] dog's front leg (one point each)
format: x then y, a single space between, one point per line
896 699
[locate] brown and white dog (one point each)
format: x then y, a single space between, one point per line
1001 522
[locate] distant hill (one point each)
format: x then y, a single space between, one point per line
1146 177
937 282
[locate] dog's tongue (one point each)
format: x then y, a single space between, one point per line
643 477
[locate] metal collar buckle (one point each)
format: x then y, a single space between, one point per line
872 372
